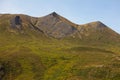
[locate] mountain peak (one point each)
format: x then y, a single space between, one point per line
54 14
97 24
56 26
53 25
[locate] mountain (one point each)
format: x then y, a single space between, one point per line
54 25
53 48
98 31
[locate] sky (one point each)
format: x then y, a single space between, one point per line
77 11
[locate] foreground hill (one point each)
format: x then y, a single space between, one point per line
53 48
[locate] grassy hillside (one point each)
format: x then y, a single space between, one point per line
43 59
29 54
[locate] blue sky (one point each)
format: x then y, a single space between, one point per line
78 11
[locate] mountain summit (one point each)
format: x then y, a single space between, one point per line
54 14
36 48
56 26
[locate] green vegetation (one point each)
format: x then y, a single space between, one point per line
23 58
31 55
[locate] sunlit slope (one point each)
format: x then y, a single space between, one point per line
53 48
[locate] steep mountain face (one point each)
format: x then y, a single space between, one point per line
56 26
36 48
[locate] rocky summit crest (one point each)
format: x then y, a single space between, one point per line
55 26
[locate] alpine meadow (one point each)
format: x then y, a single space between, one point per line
53 48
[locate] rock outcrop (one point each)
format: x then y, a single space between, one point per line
16 22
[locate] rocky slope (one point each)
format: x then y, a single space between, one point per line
54 25
53 48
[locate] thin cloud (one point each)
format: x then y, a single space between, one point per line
8 6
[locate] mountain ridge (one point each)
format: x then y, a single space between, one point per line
36 48
54 25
